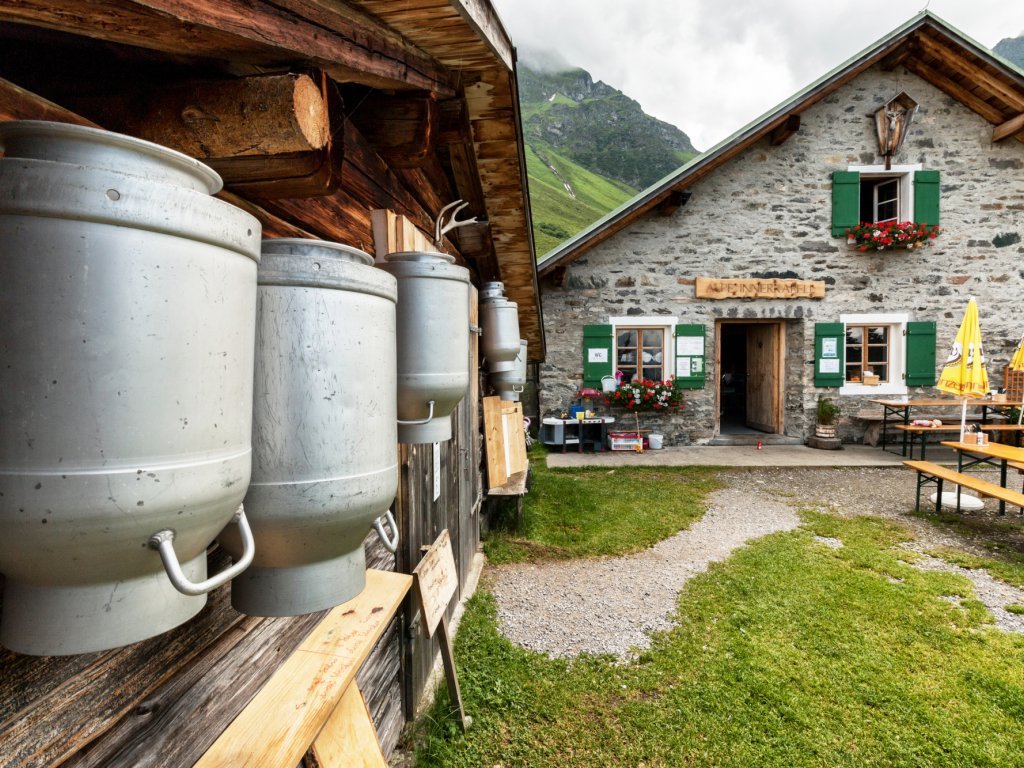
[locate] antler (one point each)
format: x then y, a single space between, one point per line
441 228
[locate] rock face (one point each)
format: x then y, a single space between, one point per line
598 127
768 211
1012 49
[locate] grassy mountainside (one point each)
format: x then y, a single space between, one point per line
589 149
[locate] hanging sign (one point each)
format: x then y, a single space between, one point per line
768 288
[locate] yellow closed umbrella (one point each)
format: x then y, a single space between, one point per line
1017 364
963 373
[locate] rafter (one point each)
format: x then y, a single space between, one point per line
788 127
974 74
1011 127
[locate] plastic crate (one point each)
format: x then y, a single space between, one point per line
624 441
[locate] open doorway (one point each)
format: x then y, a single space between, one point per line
749 356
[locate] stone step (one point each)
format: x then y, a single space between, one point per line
752 440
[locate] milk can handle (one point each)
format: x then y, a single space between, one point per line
389 544
519 389
414 422
164 542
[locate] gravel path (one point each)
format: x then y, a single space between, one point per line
610 605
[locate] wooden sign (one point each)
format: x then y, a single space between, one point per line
757 288
436 581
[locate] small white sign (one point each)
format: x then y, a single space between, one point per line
597 355
683 366
690 345
437 471
828 366
697 365
829 347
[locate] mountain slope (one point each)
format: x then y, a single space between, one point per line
589 149
1012 49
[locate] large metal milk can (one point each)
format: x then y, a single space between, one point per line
500 320
325 459
127 317
510 384
433 343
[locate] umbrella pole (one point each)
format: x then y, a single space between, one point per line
963 419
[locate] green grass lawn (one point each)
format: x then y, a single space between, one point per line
790 653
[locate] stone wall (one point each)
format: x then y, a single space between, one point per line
767 213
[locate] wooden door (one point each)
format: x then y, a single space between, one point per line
763 377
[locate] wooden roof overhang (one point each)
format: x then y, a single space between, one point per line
450 57
926 45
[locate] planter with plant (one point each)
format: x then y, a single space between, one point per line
891 235
828 412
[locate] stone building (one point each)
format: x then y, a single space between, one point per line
736 273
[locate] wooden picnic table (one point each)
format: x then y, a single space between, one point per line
901 408
916 432
993 453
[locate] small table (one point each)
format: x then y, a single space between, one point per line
901 409
591 432
993 453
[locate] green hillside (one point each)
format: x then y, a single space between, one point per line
589 149
557 215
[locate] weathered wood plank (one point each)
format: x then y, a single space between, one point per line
248 31
284 718
201 700
72 704
972 72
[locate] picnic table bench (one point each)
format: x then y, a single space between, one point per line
928 472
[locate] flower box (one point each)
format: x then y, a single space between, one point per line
891 235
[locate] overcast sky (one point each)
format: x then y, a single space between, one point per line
709 67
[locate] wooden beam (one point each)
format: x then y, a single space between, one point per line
973 73
675 200
401 128
1011 127
790 126
957 91
897 57
16 103
246 31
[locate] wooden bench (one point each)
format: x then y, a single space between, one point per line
927 472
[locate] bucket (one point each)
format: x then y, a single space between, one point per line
654 441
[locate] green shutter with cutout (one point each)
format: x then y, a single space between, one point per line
597 354
845 201
829 354
690 367
926 197
920 354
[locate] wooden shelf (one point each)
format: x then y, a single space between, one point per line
283 720
516 485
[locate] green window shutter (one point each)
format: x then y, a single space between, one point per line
845 201
696 367
597 354
920 354
926 197
835 333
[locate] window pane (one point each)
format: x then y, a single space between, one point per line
854 335
881 371
878 335
626 338
853 373
878 355
854 355
653 337
628 372
653 373
627 356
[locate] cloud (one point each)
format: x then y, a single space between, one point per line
711 66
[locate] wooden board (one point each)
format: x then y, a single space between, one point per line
763 377
285 717
436 581
504 438
349 740
393 232
765 288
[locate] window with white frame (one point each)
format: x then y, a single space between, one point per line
886 195
875 345
643 347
